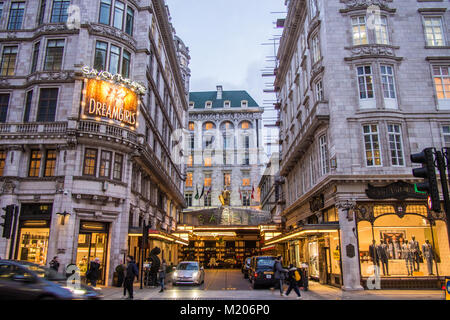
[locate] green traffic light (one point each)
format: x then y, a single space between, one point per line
417 190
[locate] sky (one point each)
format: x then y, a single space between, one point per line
225 39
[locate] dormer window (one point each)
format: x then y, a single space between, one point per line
208 104
191 105
244 103
226 104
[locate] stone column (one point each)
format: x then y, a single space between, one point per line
349 247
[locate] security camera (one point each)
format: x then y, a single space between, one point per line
66 192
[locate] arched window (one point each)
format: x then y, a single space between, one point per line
246 125
208 126
226 126
191 126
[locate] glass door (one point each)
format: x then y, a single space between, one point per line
90 246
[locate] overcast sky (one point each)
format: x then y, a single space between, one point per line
224 38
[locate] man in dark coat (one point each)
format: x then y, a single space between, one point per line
94 272
279 273
156 264
54 264
132 272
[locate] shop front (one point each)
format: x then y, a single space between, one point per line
403 243
315 246
93 240
33 232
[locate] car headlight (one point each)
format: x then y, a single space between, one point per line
175 274
195 274
76 292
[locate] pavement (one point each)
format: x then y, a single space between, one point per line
231 285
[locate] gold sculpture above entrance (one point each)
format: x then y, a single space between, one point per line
225 197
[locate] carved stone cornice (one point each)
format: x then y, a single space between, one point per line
110 32
352 5
372 51
63 75
223 116
8 187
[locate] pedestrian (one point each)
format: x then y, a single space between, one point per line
155 265
54 264
279 274
132 272
162 274
93 273
293 278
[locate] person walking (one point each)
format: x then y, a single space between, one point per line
54 264
93 273
132 272
155 265
293 277
279 274
162 274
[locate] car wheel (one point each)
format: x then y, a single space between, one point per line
254 285
47 298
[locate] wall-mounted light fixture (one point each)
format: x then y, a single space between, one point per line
63 216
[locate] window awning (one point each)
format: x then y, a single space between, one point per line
160 235
303 231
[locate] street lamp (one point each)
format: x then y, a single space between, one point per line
63 216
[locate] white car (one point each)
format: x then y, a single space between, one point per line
188 272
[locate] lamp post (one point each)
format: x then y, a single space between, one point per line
63 215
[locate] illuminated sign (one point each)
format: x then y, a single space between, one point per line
104 100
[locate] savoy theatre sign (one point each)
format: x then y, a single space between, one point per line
108 97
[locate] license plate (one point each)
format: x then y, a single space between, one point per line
268 272
269 276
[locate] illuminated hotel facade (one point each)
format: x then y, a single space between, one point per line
356 99
85 152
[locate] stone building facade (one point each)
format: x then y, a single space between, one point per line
85 185
361 86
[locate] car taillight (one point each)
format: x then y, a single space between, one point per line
256 274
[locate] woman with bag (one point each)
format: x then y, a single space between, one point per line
293 279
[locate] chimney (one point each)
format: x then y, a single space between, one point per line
219 92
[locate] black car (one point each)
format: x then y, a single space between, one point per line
21 280
246 267
261 271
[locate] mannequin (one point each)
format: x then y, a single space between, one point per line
397 248
407 255
374 254
415 249
383 256
428 254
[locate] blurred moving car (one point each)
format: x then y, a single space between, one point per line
261 271
246 267
188 272
22 280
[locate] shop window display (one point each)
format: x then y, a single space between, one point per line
404 245
33 245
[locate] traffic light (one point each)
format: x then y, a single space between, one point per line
428 173
145 230
7 221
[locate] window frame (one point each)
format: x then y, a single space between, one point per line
442 29
62 3
11 48
115 166
28 105
441 77
10 12
372 150
47 54
3 109
102 161
388 76
3 156
39 104
399 134
36 168
95 158
364 75
100 12
359 25
47 163
324 155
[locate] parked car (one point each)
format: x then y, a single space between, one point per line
261 271
22 280
246 267
188 272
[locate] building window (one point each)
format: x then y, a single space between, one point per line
1 9
28 100
315 44
387 81
359 31
35 163
4 103
126 58
207 161
101 50
434 31
41 12
381 31
35 57
446 134
2 162
192 141
8 65
114 59
119 9
118 167
191 105
319 91
208 105
396 144
245 125
16 15
207 180
48 100
90 162
441 76
188 199
207 200
190 160
313 8
105 11
227 179
50 163
365 81
105 164
59 11
244 104
189 179
54 55
324 161
372 145
129 21
246 199
226 104
246 179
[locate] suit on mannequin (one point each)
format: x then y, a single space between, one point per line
408 256
383 256
415 249
374 254
428 254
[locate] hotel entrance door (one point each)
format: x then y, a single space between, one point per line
92 243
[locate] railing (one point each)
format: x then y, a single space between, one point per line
27 128
114 131
89 126
111 130
56 127
5 128
33 127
